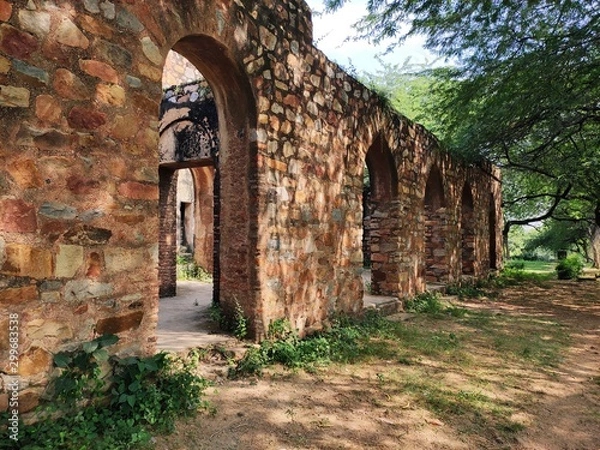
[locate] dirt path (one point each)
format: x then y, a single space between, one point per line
394 404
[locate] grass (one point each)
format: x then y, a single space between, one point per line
539 267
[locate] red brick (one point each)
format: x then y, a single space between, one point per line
17 216
81 185
87 119
118 324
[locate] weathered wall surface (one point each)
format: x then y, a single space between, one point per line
80 86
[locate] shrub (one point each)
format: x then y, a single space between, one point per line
569 268
99 402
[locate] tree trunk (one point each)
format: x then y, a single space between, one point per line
595 239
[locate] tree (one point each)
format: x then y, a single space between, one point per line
523 92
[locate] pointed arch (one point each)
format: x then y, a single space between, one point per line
435 265
379 216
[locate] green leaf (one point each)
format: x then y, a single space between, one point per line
100 355
62 359
90 347
106 340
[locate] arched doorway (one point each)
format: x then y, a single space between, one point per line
380 218
435 267
223 166
467 229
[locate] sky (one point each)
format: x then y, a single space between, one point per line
330 31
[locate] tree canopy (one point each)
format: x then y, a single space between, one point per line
521 90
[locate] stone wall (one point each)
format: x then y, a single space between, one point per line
80 87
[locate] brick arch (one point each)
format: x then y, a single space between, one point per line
435 264
467 229
235 162
380 217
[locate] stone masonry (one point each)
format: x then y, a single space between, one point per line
80 171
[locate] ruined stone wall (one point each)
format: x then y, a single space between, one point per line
80 86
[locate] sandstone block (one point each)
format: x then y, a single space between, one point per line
34 361
5 10
70 35
41 328
15 296
125 260
4 65
100 70
118 324
36 74
68 85
14 97
27 261
48 109
36 22
95 27
68 260
17 216
110 94
91 6
29 399
150 72
25 173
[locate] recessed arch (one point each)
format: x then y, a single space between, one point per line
379 216
467 230
435 265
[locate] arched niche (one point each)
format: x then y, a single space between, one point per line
467 230
434 212
380 217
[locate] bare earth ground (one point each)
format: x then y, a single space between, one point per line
481 397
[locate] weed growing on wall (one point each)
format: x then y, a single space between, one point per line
237 325
99 402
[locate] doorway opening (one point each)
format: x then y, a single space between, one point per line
205 162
